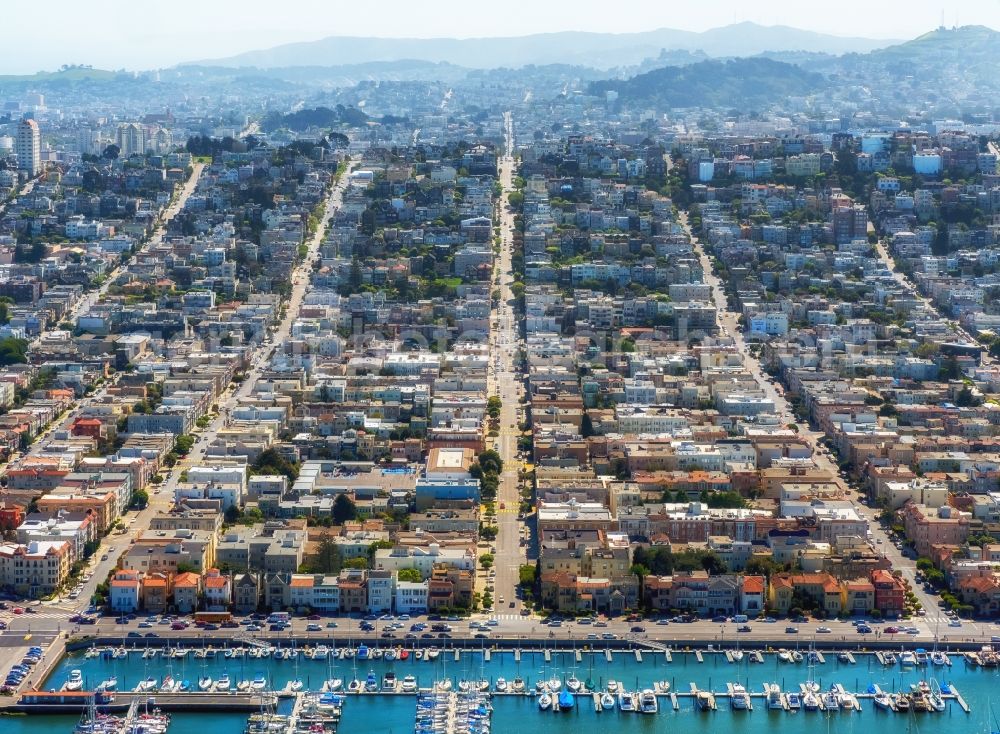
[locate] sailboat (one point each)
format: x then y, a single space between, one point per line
737 654
223 683
295 684
607 701
205 683
566 700
333 684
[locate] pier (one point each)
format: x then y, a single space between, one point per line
959 700
43 702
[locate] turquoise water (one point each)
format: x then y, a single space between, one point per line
520 715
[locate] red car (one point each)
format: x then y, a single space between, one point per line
313 616
891 630
18 610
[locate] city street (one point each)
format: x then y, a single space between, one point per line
506 383
729 328
161 497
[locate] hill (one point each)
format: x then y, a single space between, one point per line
597 50
732 83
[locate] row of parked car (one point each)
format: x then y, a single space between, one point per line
22 670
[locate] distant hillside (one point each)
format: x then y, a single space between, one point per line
733 83
70 74
596 50
948 69
345 75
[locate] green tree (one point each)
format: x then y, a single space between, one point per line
328 556
410 574
183 444
491 462
140 498
526 574
13 351
344 509
272 462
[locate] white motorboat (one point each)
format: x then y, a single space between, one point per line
243 685
774 696
830 701
108 684
573 684
784 656
626 702
883 701
74 682
409 684
545 701
518 684
146 685
554 684
939 658
907 659
740 699
810 701
737 656
259 683
647 702
295 685
354 686
613 686
223 684
320 652
501 685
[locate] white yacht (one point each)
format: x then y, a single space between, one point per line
647 702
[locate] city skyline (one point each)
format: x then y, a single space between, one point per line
190 31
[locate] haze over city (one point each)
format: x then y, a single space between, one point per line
100 34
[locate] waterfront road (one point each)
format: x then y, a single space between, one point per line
515 627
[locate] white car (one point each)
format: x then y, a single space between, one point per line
823 630
955 623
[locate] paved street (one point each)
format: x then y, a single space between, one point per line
823 458
506 382
161 498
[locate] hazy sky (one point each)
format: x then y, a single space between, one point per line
115 34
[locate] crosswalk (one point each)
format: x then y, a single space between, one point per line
43 613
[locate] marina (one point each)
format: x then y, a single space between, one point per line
303 691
